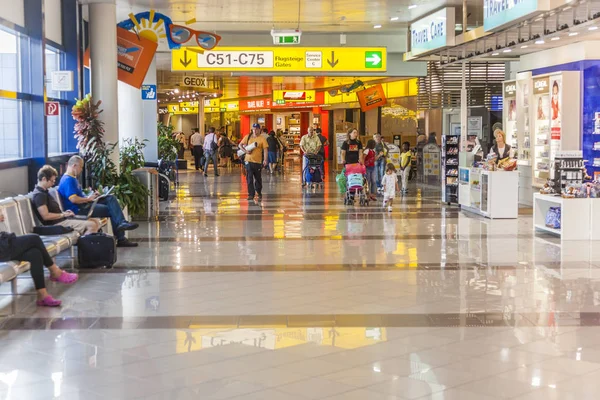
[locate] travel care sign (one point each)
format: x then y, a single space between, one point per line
497 14
434 32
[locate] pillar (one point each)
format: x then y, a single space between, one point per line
269 121
201 115
130 112
305 122
149 124
244 125
103 56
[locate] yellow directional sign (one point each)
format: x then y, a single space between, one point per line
282 59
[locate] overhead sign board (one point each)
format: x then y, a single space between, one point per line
179 109
195 82
434 32
286 36
282 59
497 14
294 96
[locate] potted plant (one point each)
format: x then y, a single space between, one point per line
101 171
167 143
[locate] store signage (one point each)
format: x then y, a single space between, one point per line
371 98
163 110
434 32
62 81
230 106
190 81
541 85
499 13
52 108
212 105
510 89
569 154
284 59
148 92
286 36
178 109
297 96
260 104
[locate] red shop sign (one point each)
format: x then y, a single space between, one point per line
257 104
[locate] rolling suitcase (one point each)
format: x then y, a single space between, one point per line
96 250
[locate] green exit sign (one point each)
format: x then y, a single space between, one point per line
279 101
288 39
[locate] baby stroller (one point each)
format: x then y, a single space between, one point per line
355 186
313 173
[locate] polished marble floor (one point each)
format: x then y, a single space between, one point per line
301 297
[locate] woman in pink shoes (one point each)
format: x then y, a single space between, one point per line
30 248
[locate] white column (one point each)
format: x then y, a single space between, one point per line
201 114
149 113
103 55
130 112
464 111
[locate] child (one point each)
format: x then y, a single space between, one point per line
369 155
390 186
405 165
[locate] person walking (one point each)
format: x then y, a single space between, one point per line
256 150
211 147
352 149
390 186
310 144
380 158
196 142
371 172
274 147
324 142
405 165
224 150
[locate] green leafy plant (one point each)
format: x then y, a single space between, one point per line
167 143
101 170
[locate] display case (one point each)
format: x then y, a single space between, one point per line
510 115
450 149
492 194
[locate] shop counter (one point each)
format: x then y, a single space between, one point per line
579 218
493 194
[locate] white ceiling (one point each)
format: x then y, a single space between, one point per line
311 15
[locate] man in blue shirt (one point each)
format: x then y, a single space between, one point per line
75 200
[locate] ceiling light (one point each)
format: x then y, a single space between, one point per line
541 41
394 19
573 33
377 26
412 6
592 28
524 46
507 51
495 54
555 38
176 90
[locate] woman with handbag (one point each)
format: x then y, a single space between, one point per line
30 248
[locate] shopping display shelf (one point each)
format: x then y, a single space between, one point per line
575 216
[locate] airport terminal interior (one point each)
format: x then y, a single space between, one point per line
303 199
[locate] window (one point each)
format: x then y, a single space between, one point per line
11 131
9 61
53 63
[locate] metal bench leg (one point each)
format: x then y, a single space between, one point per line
13 287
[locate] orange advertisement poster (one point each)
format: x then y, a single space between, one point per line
371 98
134 55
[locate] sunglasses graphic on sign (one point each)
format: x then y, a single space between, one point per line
182 34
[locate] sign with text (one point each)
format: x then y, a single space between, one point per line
294 96
134 55
371 98
497 14
510 89
212 105
282 59
52 108
434 32
195 82
541 85
148 92
260 104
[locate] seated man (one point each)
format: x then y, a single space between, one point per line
74 200
48 209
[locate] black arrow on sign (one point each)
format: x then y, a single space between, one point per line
333 62
185 62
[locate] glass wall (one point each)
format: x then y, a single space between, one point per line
11 132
